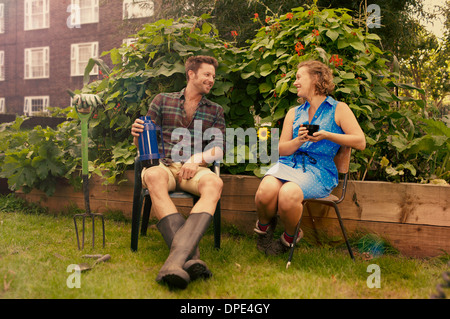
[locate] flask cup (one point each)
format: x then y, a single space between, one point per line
148 143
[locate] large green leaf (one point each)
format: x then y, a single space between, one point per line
333 35
266 69
265 87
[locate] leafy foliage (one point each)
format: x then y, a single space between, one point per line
252 82
363 80
38 158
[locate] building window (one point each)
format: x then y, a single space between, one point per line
2 65
36 14
80 55
2 105
129 41
2 18
84 11
35 105
133 9
37 63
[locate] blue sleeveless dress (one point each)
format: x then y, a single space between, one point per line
312 166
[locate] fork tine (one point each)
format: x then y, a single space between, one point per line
92 216
76 231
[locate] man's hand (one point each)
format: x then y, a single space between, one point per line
188 170
137 127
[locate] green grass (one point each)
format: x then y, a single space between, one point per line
36 249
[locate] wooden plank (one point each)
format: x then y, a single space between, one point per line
240 185
397 203
60 204
410 240
413 216
239 203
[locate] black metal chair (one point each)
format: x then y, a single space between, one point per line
342 161
141 198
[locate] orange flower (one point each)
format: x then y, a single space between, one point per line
289 15
234 33
267 19
256 16
299 47
336 60
315 32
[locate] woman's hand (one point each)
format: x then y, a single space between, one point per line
318 136
302 134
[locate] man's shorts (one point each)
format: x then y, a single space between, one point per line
190 186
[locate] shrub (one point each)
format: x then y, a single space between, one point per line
253 82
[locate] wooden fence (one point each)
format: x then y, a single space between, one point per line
413 217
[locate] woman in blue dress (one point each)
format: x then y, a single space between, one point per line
306 166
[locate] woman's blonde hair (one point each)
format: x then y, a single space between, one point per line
323 75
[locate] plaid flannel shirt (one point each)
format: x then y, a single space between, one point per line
167 111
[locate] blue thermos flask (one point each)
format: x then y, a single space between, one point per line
148 143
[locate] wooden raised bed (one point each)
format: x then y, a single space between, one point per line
413 217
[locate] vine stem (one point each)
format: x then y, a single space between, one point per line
368 165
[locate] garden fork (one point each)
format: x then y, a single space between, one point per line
84 114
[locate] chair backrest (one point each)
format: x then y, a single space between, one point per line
342 159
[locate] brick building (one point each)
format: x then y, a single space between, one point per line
46 44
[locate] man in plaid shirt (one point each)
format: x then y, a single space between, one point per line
184 167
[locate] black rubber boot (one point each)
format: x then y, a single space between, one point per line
169 225
281 246
195 267
184 244
265 238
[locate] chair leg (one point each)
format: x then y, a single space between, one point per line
217 225
336 209
135 220
313 222
291 252
146 215
137 206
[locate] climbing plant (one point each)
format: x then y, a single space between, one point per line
254 84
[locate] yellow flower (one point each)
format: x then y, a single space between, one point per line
263 133
384 161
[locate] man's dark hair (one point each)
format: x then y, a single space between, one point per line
194 63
